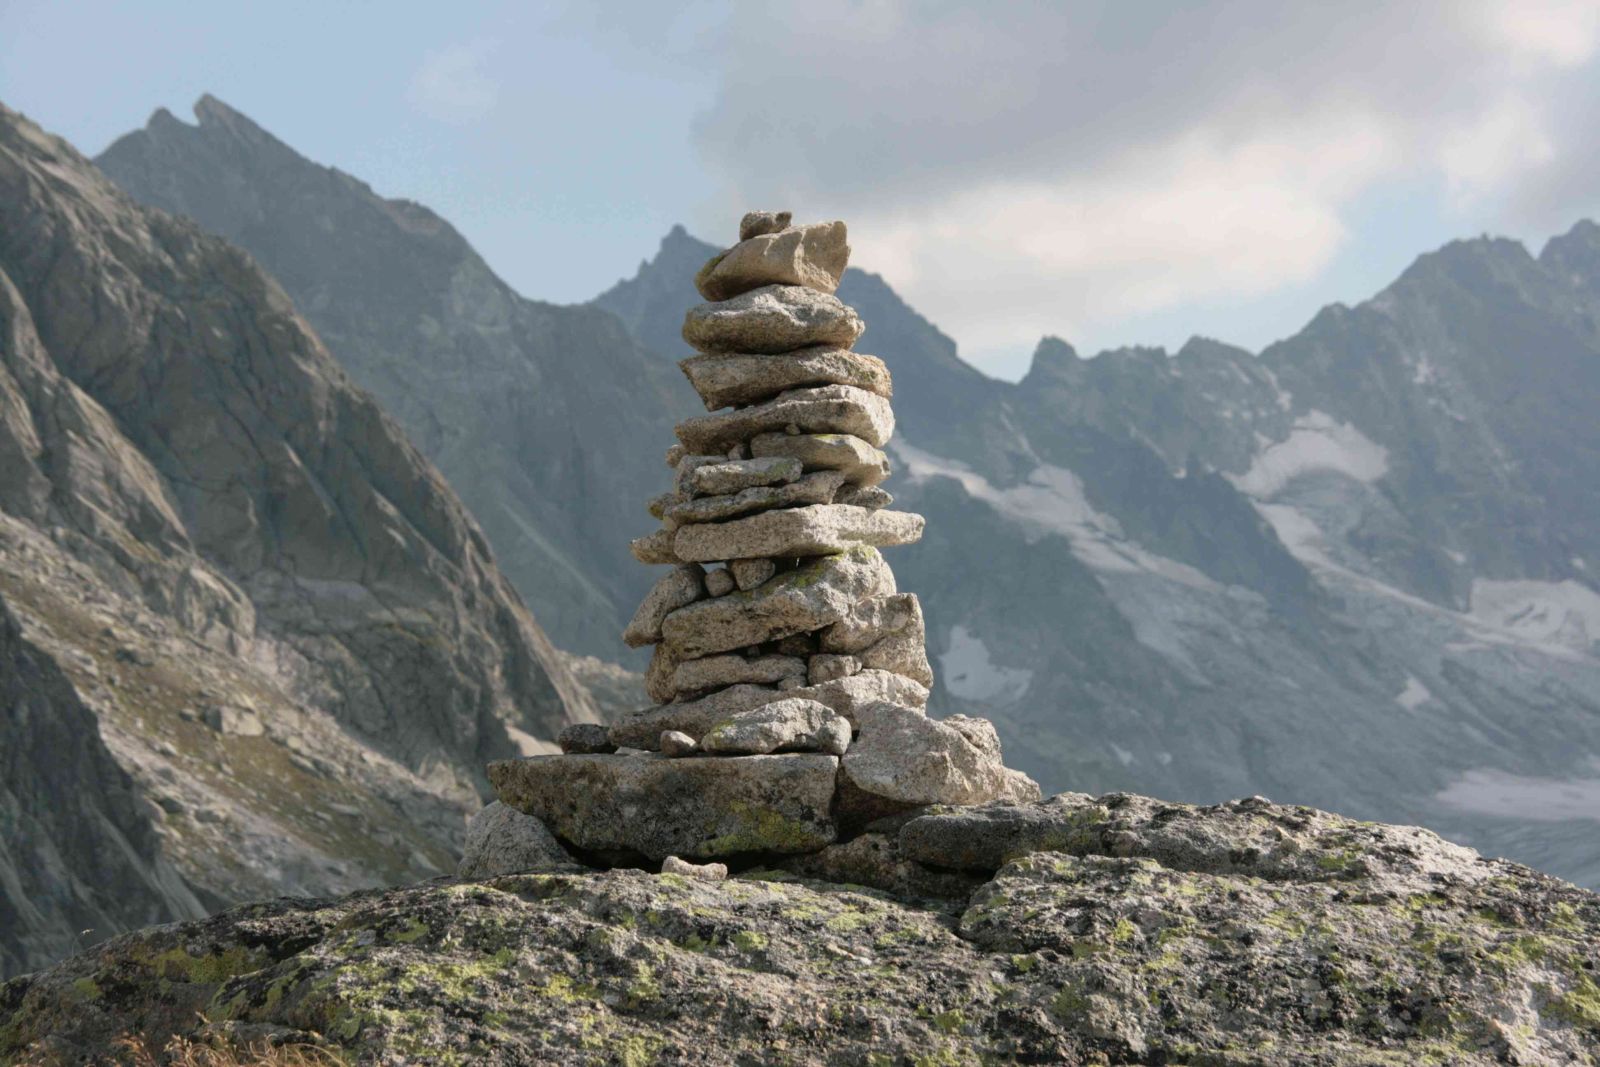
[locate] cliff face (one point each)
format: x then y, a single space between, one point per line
532 411
1109 930
249 640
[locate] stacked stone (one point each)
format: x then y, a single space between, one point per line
790 673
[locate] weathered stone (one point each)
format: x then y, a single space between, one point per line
654 548
743 378
734 475
658 683
812 530
865 496
585 737
1020 788
903 755
825 409
873 860
797 645
794 725
719 583
231 721
826 666
502 840
749 573
871 620
804 599
818 487
739 451
683 473
756 223
676 743
772 319
683 586
642 729
675 453
860 463
698 807
658 504
813 256
712 672
705 872
903 653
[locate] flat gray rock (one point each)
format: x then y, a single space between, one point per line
502 840
904 756
812 530
828 667
798 601
774 318
642 729
735 474
818 487
821 410
860 463
683 586
813 256
712 672
742 378
866 496
793 725
695 807
659 674
873 859
585 737
902 653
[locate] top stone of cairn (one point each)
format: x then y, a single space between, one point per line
779 619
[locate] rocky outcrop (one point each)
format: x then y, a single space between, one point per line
1134 931
250 642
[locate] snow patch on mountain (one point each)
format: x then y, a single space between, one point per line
969 672
1565 614
1500 793
1052 501
1414 695
1317 443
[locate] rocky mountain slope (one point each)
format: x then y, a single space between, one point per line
532 411
1355 571
1109 930
250 641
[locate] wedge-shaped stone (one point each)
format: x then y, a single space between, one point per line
654 548
807 598
710 672
698 807
755 223
818 487
871 620
793 725
847 696
683 586
722 380
732 475
749 573
860 463
813 256
824 409
658 676
819 529
502 840
774 318
904 653
902 755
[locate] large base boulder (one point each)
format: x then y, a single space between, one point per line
696 807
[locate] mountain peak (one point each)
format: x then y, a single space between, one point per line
1053 356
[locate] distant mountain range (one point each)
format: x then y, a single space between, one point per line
1358 570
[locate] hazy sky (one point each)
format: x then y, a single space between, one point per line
1113 173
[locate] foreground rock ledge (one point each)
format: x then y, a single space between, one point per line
1243 934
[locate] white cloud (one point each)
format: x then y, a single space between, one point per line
1019 170
452 85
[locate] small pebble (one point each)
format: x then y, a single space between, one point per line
706 872
675 743
719 582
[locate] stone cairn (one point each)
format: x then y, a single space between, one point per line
792 679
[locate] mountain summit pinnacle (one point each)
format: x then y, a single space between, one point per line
791 672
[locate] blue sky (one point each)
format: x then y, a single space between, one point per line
1110 173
